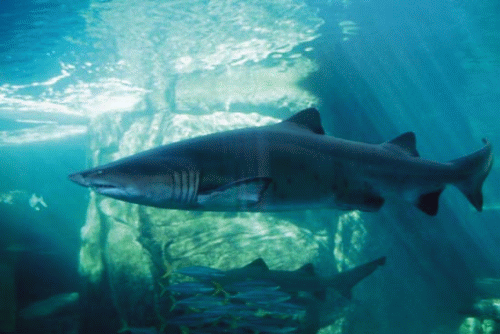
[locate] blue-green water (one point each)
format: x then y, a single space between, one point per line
78 80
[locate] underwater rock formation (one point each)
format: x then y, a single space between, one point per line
130 252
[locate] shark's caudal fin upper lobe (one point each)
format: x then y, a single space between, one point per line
477 167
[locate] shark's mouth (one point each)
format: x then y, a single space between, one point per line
106 188
110 190
97 185
95 181
102 186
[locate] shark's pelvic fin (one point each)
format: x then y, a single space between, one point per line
308 119
429 203
241 193
405 142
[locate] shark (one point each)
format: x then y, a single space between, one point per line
290 165
303 279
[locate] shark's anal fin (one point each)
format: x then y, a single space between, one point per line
429 203
242 193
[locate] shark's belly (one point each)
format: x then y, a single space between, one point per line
326 183
320 182
303 187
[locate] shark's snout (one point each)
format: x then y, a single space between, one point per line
97 181
79 179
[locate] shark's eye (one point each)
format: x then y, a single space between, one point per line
95 173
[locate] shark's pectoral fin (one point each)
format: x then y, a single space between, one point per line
242 193
429 203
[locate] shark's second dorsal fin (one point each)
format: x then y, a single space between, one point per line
407 142
259 263
308 119
307 269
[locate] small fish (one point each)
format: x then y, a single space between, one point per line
262 296
193 319
232 310
284 309
269 325
190 288
202 273
199 302
250 285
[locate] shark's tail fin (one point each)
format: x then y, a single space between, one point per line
346 280
475 168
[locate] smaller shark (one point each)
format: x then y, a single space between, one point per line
257 299
302 279
291 165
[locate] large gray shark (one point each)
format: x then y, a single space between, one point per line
291 165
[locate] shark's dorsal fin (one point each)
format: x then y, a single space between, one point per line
407 142
259 263
308 119
307 269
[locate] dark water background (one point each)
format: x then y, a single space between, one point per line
404 72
